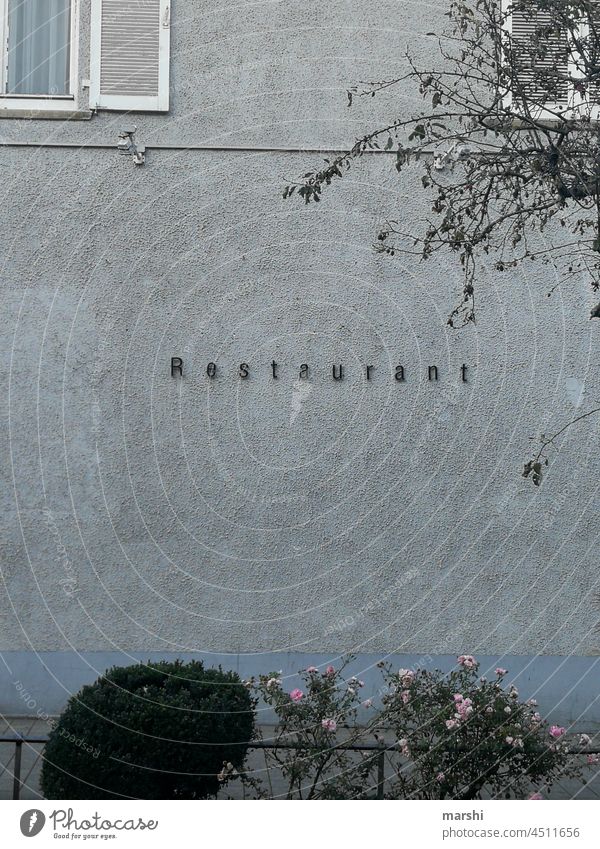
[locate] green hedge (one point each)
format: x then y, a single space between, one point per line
134 733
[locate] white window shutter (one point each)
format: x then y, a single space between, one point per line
531 66
130 42
590 94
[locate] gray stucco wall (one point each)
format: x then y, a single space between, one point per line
141 512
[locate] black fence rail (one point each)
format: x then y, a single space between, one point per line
378 750
16 760
19 740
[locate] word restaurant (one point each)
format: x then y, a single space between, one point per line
337 371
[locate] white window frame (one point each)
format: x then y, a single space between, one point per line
576 102
130 103
35 102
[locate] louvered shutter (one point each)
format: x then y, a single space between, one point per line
591 90
130 55
541 57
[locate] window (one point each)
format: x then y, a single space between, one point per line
129 57
541 73
39 57
553 65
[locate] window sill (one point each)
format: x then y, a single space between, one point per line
27 113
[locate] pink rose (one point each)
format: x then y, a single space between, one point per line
500 671
405 696
450 724
330 670
329 724
311 669
468 661
592 760
296 695
458 697
440 776
557 731
403 744
368 703
406 676
464 708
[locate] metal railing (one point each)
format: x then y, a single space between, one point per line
18 740
379 749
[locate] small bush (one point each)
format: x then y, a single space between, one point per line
136 733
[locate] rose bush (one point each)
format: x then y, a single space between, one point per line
460 736
314 720
449 735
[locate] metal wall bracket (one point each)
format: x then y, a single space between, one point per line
127 145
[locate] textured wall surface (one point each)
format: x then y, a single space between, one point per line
141 512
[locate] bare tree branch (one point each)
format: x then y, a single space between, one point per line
508 140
